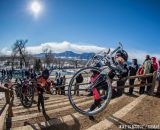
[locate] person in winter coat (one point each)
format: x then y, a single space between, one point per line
142 80
132 72
63 79
147 70
154 63
41 83
58 85
79 79
158 78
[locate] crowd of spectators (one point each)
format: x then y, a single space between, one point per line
149 65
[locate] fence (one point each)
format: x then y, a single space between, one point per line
7 108
152 75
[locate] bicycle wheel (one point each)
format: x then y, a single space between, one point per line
27 96
91 100
17 89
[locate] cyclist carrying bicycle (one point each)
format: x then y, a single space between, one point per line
121 68
100 70
120 59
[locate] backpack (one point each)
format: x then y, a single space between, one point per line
79 78
141 70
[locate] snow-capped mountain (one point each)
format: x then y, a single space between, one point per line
68 54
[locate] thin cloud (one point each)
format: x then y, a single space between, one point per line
64 46
140 55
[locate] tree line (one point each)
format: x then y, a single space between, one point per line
22 58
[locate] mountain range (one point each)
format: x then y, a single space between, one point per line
68 55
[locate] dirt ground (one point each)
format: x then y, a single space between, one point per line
85 122
111 108
144 116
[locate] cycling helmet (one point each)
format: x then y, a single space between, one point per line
123 54
45 74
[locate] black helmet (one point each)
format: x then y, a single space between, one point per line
123 54
45 74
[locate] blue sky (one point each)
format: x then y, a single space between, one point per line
136 23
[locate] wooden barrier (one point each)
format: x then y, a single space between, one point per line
153 83
153 75
9 97
3 117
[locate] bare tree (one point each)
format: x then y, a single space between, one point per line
38 65
48 59
19 50
73 62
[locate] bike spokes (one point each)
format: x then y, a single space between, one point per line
93 95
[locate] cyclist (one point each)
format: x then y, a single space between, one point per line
41 83
119 69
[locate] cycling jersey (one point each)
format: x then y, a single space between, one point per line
41 81
94 90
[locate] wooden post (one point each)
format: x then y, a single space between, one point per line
153 83
3 117
10 112
8 96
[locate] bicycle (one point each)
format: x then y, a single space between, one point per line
29 88
27 95
24 89
101 84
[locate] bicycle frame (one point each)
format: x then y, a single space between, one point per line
106 58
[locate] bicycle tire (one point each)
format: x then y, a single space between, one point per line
106 102
27 105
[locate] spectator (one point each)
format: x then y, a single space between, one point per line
10 73
4 73
154 63
42 81
7 73
79 79
132 72
56 74
33 74
148 69
63 80
158 78
27 74
58 85
142 80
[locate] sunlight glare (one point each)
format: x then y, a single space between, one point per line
36 7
